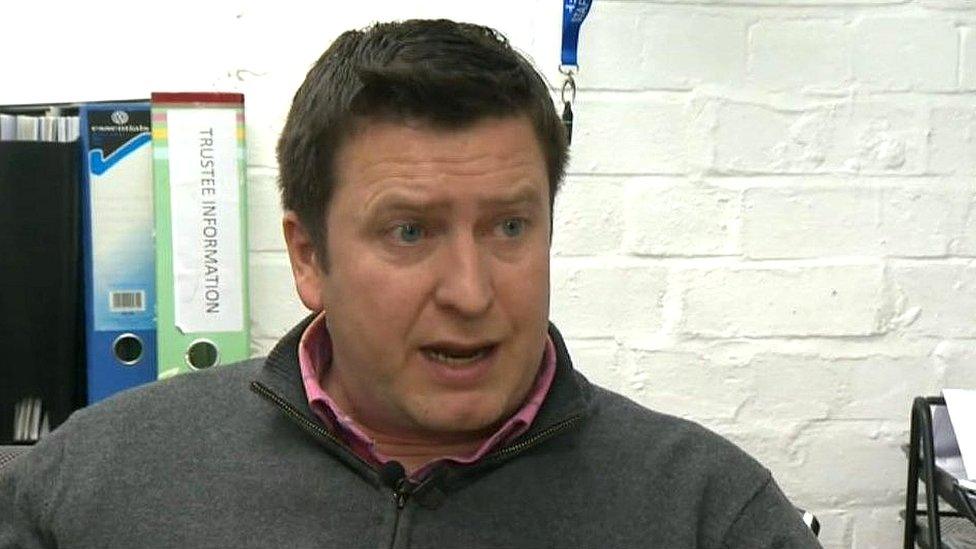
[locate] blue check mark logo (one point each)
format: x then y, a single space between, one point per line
99 164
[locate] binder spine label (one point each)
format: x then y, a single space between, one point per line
121 191
205 186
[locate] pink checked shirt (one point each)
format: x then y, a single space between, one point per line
315 356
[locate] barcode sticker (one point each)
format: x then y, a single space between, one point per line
127 302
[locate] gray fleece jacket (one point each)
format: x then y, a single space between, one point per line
234 457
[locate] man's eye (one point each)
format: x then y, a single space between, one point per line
408 232
513 227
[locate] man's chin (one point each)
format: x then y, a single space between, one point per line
464 424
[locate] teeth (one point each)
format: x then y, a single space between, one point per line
449 359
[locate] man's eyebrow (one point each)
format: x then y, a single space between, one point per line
402 201
405 200
524 194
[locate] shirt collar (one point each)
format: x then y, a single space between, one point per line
315 356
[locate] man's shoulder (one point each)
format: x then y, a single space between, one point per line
649 438
190 403
634 420
185 415
176 394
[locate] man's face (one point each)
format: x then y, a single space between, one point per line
437 289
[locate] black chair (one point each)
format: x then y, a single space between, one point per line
948 526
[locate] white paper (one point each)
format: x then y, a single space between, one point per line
205 206
947 455
8 127
961 404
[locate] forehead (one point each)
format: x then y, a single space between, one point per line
489 157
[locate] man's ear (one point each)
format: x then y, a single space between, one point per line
302 252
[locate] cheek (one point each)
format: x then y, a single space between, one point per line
382 298
524 289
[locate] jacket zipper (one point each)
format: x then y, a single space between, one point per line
403 488
401 493
541 436
302 421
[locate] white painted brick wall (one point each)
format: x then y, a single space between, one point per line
906 52
769 224
628 133
901 217
782 299
953 140
967 77
597 298
778 48
648 48
674 218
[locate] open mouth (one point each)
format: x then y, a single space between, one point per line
457 356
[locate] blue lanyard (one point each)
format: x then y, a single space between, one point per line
574 12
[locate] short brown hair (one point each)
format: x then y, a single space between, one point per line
441 72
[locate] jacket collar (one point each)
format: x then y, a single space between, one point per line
570 395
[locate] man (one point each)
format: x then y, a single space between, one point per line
427 402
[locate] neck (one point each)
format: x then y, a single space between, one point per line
414 452
411 448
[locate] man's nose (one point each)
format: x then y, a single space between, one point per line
465 282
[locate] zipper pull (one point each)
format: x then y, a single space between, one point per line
393 475
401 492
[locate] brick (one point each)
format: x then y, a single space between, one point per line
805 53
810 222
906 53
965 244
630 134
863 137
899 219
588 217
750 138
791 388
264 211
953 141
879 138
852 463
679 220
275 307
928 220
685 384
601 361
638 47
935 299
957 364
882 386
873 528
808 387
604 300
967 63
768 302
958 5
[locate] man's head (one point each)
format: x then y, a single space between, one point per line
446 74
419 165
